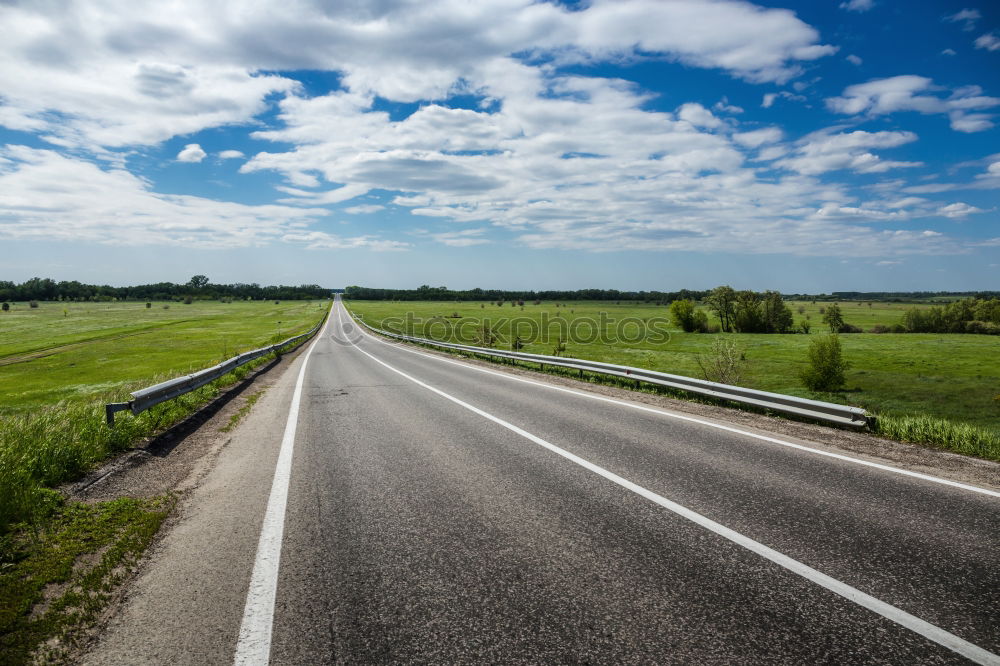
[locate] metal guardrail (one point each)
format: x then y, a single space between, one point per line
843 415
145 398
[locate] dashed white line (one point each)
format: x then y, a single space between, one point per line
888 611
254 644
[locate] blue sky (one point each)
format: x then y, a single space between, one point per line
636 144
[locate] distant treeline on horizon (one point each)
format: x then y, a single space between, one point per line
198 287
428 293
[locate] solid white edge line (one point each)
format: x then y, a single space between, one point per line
888 611
692 419
254 645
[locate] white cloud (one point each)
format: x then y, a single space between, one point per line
967 17
568 162
231 154
364 209
191 153
914 93
698 116
949 52
989 41
121 73
757 138
320 240
857 5
770 98
826 150
724 106
86 203
464 238
957 210
854 60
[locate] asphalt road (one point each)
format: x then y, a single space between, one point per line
426 510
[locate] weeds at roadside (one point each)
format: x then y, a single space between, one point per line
941 433
58 573
235 419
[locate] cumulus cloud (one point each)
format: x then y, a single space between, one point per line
829 151
957 210
757 138
464 238
917 93
967 17
989 41
120 73
321 240
574 163
191 153
83 202
231 154
854 60
769 98
857 5
364 209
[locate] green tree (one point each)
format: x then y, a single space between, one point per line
827 365
833 318
198 282
722 301
683 315
777 315
748 315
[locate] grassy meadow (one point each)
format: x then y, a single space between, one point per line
954 377
75 352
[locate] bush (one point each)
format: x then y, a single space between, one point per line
833 318
188 300
982 327
880 329
687 318
805 326
6 306
33 304
850 328
727 364
148 305
826 365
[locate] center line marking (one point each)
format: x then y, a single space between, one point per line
913 623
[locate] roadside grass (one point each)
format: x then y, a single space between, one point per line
950 379
42 449
57 576
942 433
46 357
60 561
235 419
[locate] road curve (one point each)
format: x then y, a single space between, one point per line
424 510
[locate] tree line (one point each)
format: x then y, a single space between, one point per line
198 287
428 293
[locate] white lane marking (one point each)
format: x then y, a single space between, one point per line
682 417
254 644
888 611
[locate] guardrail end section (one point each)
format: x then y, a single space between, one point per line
110 409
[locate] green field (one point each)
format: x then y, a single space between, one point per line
956 377
77 351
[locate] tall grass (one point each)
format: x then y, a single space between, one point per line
960 437
41 449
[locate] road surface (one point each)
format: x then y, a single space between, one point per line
381 504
